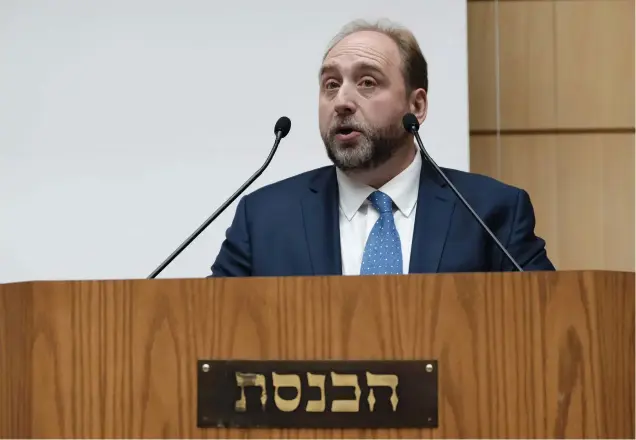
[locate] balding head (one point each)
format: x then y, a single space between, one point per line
414 66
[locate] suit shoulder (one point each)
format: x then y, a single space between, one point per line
479 184
292 185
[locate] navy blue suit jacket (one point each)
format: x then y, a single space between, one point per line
292 228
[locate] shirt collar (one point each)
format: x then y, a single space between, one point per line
403 190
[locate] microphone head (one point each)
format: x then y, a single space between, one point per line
410 123
283 125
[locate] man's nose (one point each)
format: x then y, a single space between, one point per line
344 102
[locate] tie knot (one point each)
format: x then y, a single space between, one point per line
381 202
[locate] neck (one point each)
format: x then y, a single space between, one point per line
377 177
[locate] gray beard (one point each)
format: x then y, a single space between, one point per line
372 149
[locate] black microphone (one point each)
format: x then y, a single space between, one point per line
412 125
281 129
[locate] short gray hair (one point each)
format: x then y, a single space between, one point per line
414 66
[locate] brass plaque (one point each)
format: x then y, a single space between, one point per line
317 394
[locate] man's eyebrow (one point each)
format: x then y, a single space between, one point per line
325 68
369 66
361 65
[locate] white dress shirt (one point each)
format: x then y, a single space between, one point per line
357 215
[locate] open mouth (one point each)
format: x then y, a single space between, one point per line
346 134
344 130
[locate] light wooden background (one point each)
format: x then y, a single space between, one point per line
553 113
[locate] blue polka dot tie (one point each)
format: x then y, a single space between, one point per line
383 251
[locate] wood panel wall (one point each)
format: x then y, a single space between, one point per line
551 89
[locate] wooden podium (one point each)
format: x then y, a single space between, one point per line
543 354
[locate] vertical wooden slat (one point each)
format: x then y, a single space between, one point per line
595 57
527 70
481 66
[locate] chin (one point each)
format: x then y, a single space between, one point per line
347 145
348 162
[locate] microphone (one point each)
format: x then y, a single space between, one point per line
412 125
281 129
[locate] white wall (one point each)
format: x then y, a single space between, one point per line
122 122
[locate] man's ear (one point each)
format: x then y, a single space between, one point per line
419 104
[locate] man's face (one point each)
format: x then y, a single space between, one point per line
362 101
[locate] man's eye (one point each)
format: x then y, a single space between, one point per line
368 83
329 85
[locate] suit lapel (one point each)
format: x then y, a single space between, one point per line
322 226
435 206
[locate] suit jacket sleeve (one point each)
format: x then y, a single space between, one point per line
523 244
235 257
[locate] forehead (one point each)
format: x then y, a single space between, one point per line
364 48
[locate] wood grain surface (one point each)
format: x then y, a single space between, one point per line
520 354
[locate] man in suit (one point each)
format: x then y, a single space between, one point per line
381 208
